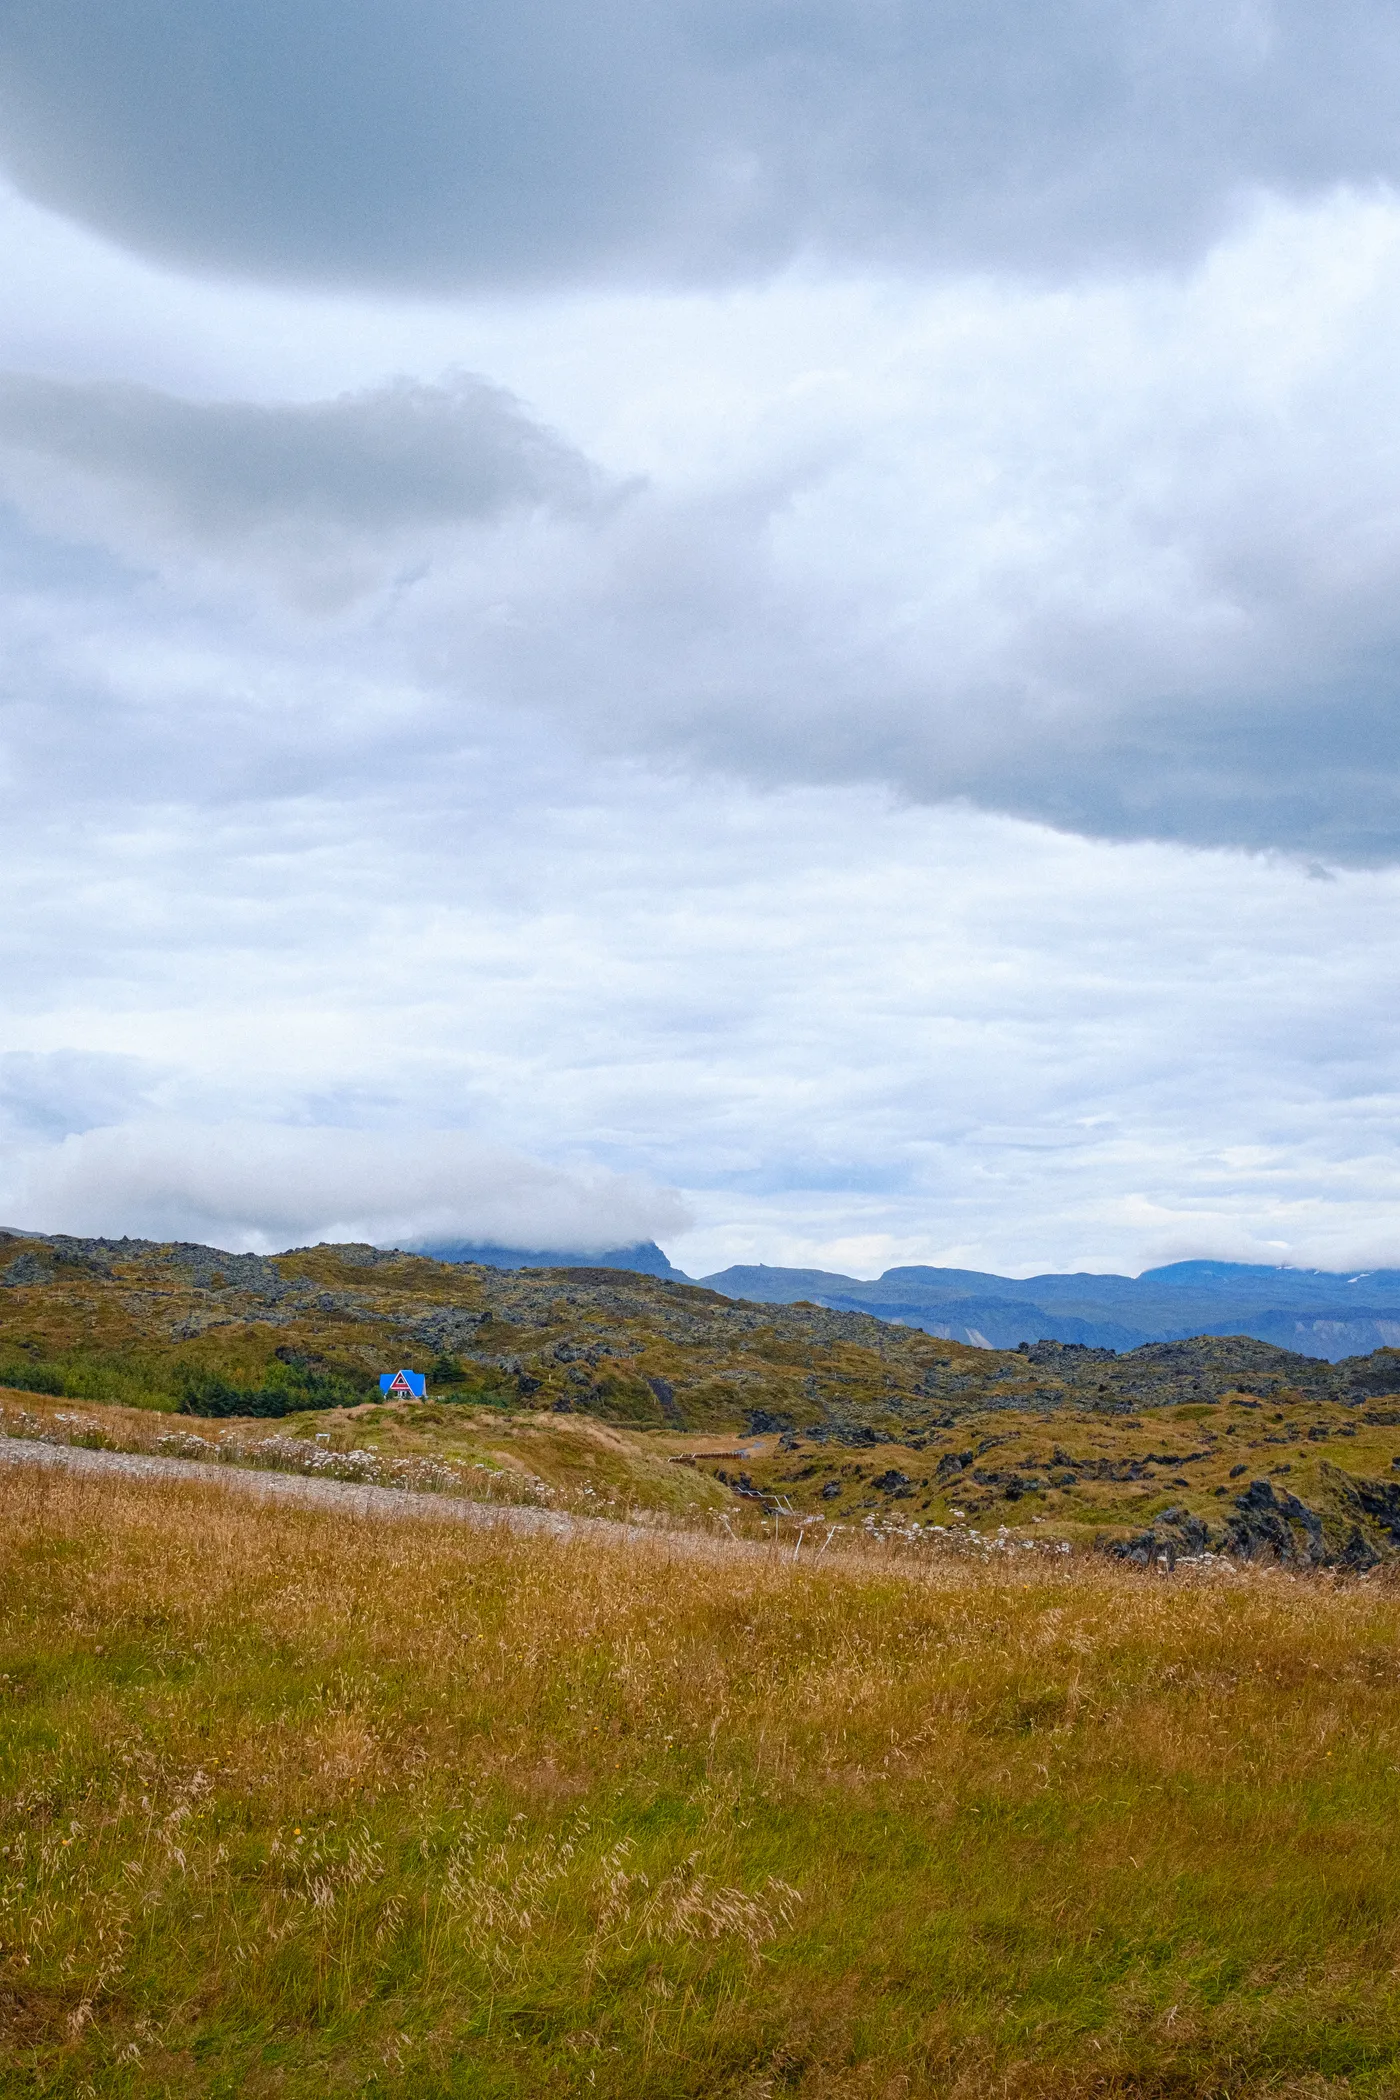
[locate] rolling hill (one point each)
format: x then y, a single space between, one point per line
642 1392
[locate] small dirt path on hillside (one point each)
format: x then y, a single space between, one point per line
348 1498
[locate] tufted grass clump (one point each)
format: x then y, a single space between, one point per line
297 1804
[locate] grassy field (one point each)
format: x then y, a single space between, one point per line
298 1806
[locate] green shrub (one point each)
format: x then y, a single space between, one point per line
34 1378
626 1401
289 1389
477 1396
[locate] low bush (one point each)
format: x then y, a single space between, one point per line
33 1378
290 1389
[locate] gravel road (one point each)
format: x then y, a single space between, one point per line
349 1499
344 1496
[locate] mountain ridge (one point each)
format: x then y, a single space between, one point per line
1321 1313
1313 1312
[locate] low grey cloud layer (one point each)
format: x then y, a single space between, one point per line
1122 561
308 493
448 146
48 1096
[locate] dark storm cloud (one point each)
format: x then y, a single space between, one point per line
437 144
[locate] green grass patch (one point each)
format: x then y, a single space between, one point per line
296 1805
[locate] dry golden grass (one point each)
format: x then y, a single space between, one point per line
297 1805
570 1463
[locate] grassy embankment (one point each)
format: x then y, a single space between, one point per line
1075 1476
296 1806
574 1465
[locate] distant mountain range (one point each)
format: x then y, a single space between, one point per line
1313 1311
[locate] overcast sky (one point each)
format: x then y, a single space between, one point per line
773 625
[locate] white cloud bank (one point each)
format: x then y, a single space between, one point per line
850 1034
260 1187
612 754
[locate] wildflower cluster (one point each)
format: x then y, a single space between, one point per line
366 1468
289 1454
893 1530
79 1430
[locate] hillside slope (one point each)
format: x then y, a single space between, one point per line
631 1390
133 1320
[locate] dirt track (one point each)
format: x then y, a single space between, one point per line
348 1498
344 1496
